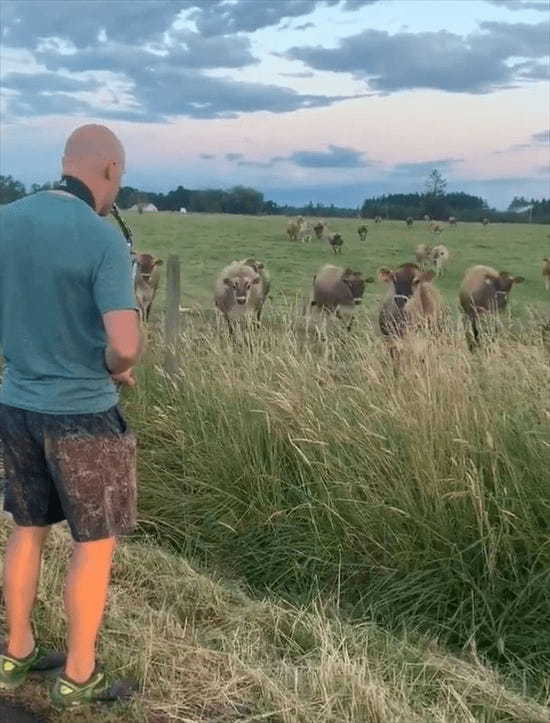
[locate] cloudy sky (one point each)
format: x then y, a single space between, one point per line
321 100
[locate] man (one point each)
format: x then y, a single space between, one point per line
68 331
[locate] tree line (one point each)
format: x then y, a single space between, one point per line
434 201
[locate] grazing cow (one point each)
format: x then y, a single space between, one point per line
423 253
440 257
146 282
240 291
409 221
319 229
485 221
336 242
378 219
453 221
338 291
484 292
427 218
436 227
546 273
412 302
363 231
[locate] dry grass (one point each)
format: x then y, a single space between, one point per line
204 652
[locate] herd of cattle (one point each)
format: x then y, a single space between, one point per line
241 289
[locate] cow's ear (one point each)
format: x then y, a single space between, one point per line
227 281
518 279
385 274
158 262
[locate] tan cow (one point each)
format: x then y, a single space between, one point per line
292 230
240 291
484 293
339 291
440 256
146 282
423 253
413 301
546 273
436 227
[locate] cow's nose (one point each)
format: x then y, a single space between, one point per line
240 300
357 301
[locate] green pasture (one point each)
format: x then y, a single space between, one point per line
205 243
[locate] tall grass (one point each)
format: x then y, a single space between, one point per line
307 469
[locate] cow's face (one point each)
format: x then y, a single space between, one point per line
406 280
356 284
502 286
241 287
145 265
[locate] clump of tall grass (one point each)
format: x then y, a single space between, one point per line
304 466
205 652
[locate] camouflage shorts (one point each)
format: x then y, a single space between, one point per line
78 467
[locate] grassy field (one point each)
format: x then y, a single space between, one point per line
206 243
321 542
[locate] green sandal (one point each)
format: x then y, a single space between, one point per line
14 671
65 693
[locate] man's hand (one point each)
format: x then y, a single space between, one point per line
127 378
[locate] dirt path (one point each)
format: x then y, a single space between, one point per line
15 714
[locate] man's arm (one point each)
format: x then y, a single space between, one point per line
124 340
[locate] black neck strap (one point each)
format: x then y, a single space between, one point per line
79 189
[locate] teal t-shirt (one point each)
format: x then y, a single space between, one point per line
61 267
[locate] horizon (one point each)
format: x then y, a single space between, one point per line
322 101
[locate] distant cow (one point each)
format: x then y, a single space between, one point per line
240 291
484 292
409 221
485 221
427 218
292 230
362 231
440 256
336 242
378 219
546 273
338 291
146 282
423 253
305 232
436 227
453 221
319 229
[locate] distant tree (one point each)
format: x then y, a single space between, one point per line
241 199
10 189
435 184
519 203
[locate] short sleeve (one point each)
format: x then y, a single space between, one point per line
112 284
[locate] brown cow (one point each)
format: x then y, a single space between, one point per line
319 229
146 282
241 290
413 301
409 221
336 242
453 221
362 231
546 273
484 292
485 221
338 291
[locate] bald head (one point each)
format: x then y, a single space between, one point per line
94 155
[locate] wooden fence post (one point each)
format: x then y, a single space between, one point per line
172 318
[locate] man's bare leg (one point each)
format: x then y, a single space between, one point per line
21 575
85 598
